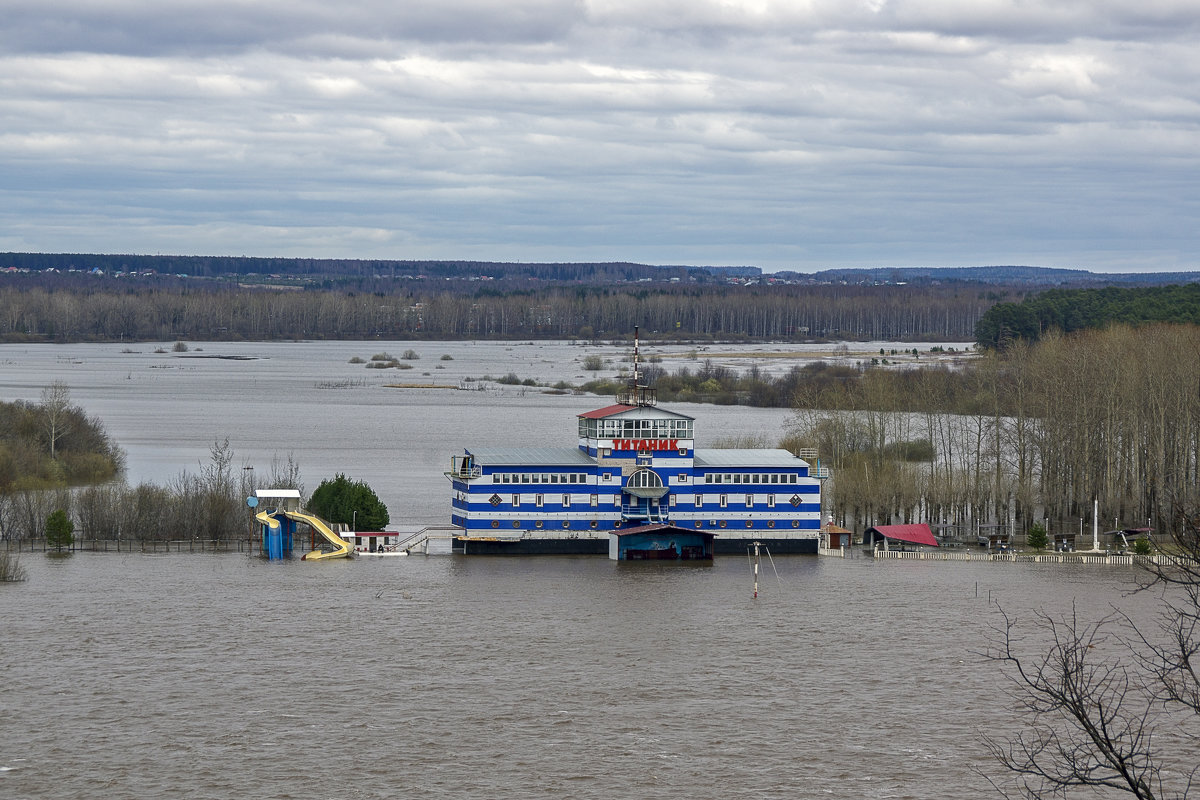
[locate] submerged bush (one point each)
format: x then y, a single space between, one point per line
10 567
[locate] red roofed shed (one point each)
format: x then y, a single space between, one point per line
910 534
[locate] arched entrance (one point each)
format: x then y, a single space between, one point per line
641 497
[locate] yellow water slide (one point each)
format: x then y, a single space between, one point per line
342 548
265 518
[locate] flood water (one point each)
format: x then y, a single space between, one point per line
217 676
166 409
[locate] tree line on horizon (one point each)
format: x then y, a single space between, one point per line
685 312
58 308
1069 310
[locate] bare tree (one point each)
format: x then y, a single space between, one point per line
285 474
56 419
1113 705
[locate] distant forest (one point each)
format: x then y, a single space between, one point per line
64 297
83 310
369 274
1066 311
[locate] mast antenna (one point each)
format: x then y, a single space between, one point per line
637 394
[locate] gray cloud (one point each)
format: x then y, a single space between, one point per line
779 133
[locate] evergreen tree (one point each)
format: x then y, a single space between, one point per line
59 530
1037 538
351 502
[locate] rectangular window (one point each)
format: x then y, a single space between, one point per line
524 477
539 500
791 479
566 501
595 500
672 501
608 476
683 478
699 500
749 500
516 499
770 501
724 500
683 451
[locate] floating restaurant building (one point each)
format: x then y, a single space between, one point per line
635 465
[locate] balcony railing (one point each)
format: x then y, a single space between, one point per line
464 469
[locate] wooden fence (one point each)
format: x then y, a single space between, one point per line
134 546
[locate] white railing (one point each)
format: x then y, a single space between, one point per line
419 541
833 552
465 473
1032 558
934 555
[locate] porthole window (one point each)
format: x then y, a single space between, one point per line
795 523
749 523
516 523
722 523
771 523
539 523
566 523
495 523
593 524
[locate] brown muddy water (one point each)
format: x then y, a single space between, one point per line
219 676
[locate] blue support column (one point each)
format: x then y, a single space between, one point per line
277 542
289 531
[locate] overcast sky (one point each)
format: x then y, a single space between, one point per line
788 135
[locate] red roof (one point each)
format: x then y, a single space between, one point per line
916 534
607 411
